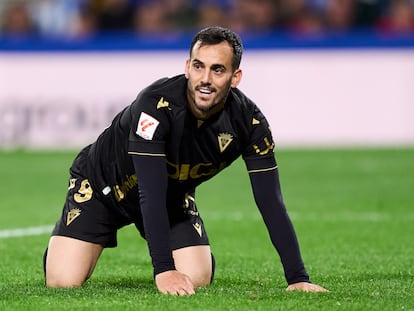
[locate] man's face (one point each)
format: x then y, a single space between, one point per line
210 77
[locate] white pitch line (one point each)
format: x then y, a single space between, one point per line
239 216
21 232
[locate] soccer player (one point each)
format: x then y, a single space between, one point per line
145 167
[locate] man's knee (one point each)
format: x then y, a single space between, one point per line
61 282
202 277
69 262
59 279
197 262
206 276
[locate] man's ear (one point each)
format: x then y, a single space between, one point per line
236 78
186 68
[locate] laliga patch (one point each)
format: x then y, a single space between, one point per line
147 126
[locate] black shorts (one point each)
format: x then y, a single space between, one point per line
87 217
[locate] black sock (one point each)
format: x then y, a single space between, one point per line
44 261
213 267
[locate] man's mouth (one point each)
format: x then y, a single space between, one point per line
205 90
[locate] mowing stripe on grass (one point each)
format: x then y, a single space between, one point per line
351 216
20 232
212 216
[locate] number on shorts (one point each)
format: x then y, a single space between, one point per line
84 193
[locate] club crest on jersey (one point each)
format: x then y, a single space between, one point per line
224 140
72 215
147 126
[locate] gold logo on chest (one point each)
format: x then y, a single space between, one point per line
163 104
224 140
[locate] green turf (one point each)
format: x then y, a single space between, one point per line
353 211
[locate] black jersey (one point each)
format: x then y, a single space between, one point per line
185 152
195 150
158 123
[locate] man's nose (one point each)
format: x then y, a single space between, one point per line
206 79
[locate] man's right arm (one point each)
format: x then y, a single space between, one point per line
152 181
152 184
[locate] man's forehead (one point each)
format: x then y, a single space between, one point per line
200 44
221 52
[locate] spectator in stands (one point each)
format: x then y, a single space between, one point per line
85 24
302 16
339 15
399 18
259 16
164 17
307 22
81 18
181 13
115 15
290 10
55 17
152 17
212 13
367 13
17 21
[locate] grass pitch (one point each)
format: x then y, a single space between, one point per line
353 211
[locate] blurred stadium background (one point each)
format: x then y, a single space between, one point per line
326 72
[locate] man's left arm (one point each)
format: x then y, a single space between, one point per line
268 197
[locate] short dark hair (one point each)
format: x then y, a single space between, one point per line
215 35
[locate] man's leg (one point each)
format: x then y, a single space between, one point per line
196 262
191 248
70 262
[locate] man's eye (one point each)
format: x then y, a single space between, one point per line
219 70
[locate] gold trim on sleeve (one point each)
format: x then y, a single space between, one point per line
147 154
263 170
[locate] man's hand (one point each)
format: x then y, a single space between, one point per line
174 283
306 287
